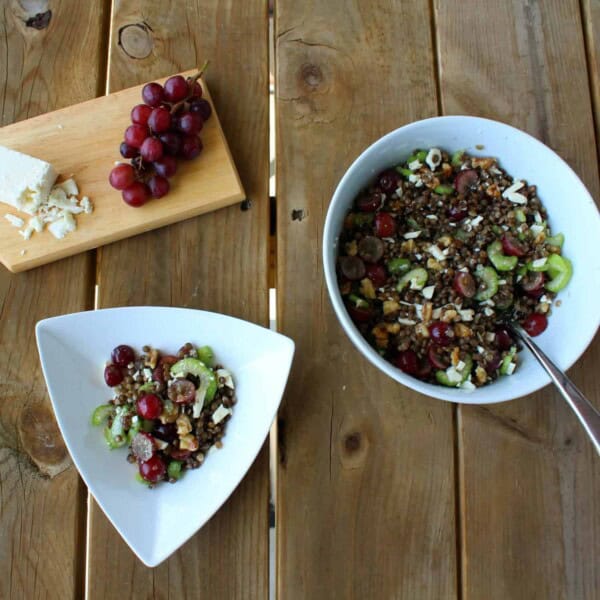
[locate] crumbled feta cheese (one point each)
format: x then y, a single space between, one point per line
539 262
147 374
220 414
415 164
36 224
69 187
464 269
460 365
226 376
481 349
452 224
14 220
453 375
545 299
495 171
60 227
399 192
432 217
490 336
516 198
436 253
411 235
476 220
404 321
488 302
418 256
467 385
434 158
428 291
510 369
415 179
488 312
537 217
26 233
134 419
87 206
419 310
436 313
518 278
466 314
501 281
23 252
515 187
536 229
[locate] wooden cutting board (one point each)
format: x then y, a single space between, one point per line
82 141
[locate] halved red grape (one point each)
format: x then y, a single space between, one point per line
408 362
182 391
388 181
172 142
352 267
176 88
167 432
159 186
148 406
140 114
189 123
533 283
370 202
128 151
135 135
535 323
136 194
464 284
153 469
122 355
190 147
465 180
504 340
202 107
377 274
152 149
113 375
142 445
121 177
435 357
371 248
457 212
153 94
160 119
512 246
166 166
441 333
359 315
385 225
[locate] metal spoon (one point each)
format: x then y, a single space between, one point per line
588 416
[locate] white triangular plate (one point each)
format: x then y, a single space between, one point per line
73 351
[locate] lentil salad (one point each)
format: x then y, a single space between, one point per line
436 253
169 410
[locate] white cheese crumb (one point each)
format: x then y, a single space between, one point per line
488 312
464 269
416 180
436 313
428 291
466 314
220 414
87 206
481 349
488 302
452 224
147 374
490 336
419 311
60 126
432 217
537 217
453 375
60 227
468 385
460 365
418 256
434 158
539 262
69 187
404 321
415 164
399 192
226 376
14 220
23 252
436 253
515 187
26 233
516 198
476 220
36 224
495 171
510 369
501 281
545 299
410 235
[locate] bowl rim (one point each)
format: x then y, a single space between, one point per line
483 395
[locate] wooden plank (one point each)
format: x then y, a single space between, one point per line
42 510
216 262
71 140
591 20
366 467
530 482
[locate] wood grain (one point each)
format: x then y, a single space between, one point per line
366 467
41 498
591 20
530 481
216 262
72 142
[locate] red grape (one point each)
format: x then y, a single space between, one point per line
176 88
140 114
196 89
153 469
191 147
352 267
465 180
359 314
153 94
113 375
128 151
385 225
370 202
202 107
166 166
408 362
182 391
441 333
464 284
377 274
503 339
135 135
172 142
388 181
136 194
121 176
123 355
160 120
189 123
535 323
152 149
159 186
512 246
149 406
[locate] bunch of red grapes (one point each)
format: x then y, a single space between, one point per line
163 129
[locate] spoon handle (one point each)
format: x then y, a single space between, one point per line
583 408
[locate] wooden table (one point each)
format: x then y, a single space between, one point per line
381 493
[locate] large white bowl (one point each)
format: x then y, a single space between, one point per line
73 351
571 210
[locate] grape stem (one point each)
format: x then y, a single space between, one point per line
191 81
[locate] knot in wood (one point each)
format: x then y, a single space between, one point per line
311 75
352 442
136 40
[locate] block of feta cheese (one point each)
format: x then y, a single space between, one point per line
25 181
